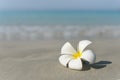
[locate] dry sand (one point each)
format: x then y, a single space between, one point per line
38 60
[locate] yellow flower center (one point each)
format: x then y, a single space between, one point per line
77 55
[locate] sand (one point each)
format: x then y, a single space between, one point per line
38 60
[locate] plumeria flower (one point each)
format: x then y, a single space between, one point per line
73 59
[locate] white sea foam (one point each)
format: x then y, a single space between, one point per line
57 32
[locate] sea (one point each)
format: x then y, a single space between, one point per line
58 24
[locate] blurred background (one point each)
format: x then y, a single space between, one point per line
59 19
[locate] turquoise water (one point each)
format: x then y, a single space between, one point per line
35 25
85 18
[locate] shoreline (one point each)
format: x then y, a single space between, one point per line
57 32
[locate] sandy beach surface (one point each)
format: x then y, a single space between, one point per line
38 60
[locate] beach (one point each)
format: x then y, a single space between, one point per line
31 41
38 60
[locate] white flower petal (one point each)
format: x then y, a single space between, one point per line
75 64
89 56
67 49
64 59
83 44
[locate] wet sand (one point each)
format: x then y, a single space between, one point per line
38 60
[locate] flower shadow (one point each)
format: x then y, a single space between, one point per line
97 65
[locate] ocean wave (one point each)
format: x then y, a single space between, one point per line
57 32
